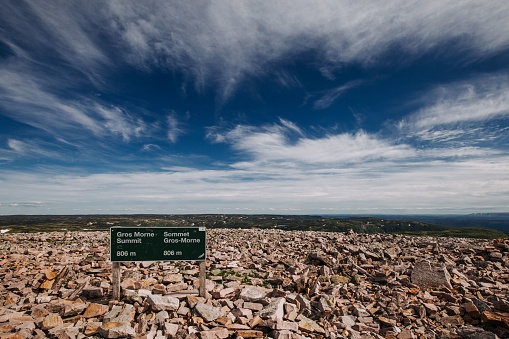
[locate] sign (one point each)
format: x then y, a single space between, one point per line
157 243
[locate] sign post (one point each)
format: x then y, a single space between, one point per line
157 244
116 280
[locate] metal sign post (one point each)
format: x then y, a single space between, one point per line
157 244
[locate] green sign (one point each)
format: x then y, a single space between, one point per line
157 243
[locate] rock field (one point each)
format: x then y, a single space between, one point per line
261 284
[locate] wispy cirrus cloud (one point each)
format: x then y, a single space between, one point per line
243 38
32 100
219 44
175 128
32 148
479 99
482 133
332 95
50 49
66 32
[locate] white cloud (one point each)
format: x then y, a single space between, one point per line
459 152
150 147
286 79
222 42
64 31
330 96
175 129
118 121
285 143
475 100
32 100
34 148
284 169
279 167
432 186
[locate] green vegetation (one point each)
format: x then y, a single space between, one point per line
303 223
462 232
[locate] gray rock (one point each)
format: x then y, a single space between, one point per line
253 293
274 310
161 317
348 320
309 325
282 334
171 329
426 277
207 312
162 303
471 332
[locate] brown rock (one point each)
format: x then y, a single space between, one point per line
283 334
223 292
249 333
47 285
192 300
65 330
128 284
496 318
173 278
50 275
215 333
255 321
51 320
387 321
95 310
7 327
159 289
177 287
472 309
116 329
92 328
365 290
236 327
39 311
73 309
406 334
92 292
454 320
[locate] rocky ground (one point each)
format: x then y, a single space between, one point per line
261 284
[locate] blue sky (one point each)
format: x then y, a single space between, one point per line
288 107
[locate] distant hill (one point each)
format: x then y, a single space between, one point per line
411 225
498 221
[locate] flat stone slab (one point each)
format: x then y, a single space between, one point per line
253 293
426 277
162 303
207 312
